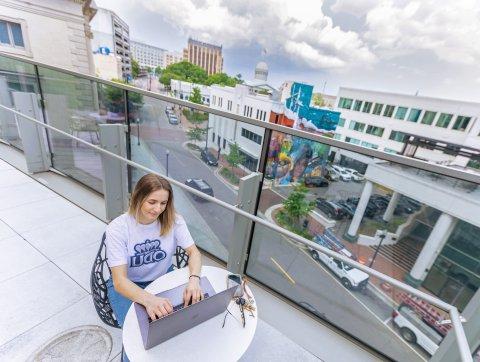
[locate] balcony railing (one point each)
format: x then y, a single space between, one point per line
387 221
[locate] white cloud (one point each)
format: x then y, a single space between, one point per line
296 29
358 8
450 29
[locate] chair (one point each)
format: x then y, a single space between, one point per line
98 283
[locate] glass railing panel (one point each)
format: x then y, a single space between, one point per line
18 90
172 140
415 226
79 106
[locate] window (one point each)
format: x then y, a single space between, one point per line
258 112
389 150
444 120
369 145
213 136
11 34
377 109
337 136
428 117
398 136
461 123
252 136
367 106
401 113
214 99
376 131
224 143
388 110
358 105
352 140
345 103
341 122
357 126
414 115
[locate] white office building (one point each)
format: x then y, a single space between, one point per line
148 55
386 121
56 32
183 90
112 34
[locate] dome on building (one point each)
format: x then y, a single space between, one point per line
261 71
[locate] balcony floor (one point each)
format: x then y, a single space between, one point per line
48 246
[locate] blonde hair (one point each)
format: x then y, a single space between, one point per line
144 187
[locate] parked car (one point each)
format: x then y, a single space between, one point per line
414 330
200 185
317 181
172 119
331 175
332 210
208 157
351 278
356 176
348 209
371 209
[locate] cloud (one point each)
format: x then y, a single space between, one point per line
296 29
358 8
450 30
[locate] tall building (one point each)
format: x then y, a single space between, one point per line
111 34
172 58
148 55
206 56
436 130
24 27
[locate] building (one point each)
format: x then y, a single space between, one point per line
183 90
111 34
24 25
205 55
389 121
148 55
172 57
108 66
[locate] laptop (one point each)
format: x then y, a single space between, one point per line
182 318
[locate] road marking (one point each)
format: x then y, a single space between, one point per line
386 321
283 271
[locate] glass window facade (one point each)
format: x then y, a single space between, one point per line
358 105
355 141
357 126
461 123
414 115
376 131
367 107
345 103
444 120
341 122
377 109
388 112
369 145
401 113
428 117
397 136
252 136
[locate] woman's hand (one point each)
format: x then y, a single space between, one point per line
157 307
192 292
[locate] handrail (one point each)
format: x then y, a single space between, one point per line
452 310
403 160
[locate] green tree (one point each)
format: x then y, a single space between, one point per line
222 79
185 71
158 70
135 68
234 157
318 100
296 206
196 96
196 133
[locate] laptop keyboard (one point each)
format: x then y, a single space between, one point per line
180 306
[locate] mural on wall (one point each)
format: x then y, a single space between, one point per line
292 158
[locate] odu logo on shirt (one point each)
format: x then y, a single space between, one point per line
147 252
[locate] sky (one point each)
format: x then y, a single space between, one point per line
429 47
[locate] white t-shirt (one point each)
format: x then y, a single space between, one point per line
146 254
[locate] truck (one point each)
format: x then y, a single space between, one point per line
350 277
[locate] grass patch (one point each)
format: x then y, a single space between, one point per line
194 147
284 221
369 227
231 177
195 117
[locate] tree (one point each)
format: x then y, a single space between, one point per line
135 68
185 71
222 79
158 70
296 207
196 133
196 96
318 100
235 158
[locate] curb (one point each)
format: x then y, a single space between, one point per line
217 175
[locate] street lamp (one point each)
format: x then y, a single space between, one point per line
383 234
168 153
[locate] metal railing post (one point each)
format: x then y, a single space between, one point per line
240 237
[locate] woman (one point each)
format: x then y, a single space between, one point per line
140 245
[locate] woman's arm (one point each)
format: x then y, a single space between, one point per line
155 306
193 290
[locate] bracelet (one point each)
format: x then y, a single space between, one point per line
194 275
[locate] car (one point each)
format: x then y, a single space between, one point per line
208 157
331 175
348 209
200 185
332 210
317 181
356 176
172 119
414 330
371 209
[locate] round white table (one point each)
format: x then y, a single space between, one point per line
206 342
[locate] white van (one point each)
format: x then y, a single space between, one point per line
414 330
350 277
